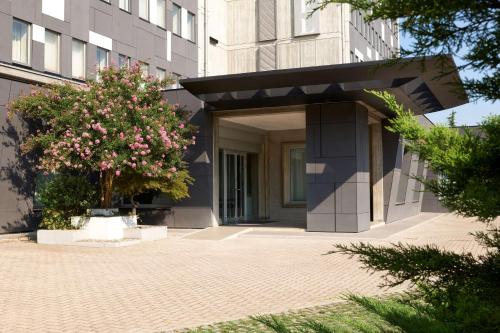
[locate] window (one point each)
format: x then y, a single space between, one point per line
294 174
123 61
418 184
144 9
403 178
124 4
102 56
176 19
174 77
161 13
190 33
161 74
304 23
144 69
78 59
21 42
52 40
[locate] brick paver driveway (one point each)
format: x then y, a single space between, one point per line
180 282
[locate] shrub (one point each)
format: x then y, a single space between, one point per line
119 127
65 196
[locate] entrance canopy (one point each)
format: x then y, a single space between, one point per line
422 84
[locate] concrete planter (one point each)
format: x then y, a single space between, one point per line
61 237
105 227
82 237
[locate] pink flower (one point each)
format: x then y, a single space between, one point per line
117 173
144 162
143 153
134 98
97 141
122 136
173 169
181 125
133 165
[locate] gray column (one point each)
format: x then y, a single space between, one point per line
196 211
338 194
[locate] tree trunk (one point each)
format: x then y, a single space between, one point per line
106 182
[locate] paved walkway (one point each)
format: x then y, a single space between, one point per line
182 282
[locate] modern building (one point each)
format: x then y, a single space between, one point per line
47 41
286 131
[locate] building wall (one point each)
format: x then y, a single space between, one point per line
277 209
16 170
125 32
259 35
370 41
97 23
402 193
338 193
430 203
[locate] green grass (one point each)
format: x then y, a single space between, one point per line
355 315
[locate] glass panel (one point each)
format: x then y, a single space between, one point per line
123 61
161 10
124 4
175 84
418 184
176 19
297 174
144 69
239 186
190 27
78 59
221 184
102 58
403 178
230 161
51 51
20 42
144 9
161 74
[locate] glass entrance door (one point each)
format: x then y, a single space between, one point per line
232 186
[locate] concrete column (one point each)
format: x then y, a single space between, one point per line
338 194
377 172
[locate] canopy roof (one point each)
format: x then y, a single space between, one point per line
418 83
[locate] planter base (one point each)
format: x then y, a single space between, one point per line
105 227
82 237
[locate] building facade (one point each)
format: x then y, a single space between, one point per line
286 132
242 36
48 41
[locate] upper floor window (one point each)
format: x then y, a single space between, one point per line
124 4
102 57
123 61
21 42
78 59
176 19
190 33
161 13
144 9
144 69
294 167
304 23
52 51
161 74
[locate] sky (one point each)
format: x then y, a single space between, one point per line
469 114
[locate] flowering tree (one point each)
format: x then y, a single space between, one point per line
118 126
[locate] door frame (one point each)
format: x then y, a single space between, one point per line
223 218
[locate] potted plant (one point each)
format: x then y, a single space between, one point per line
118 128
